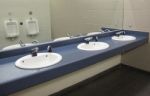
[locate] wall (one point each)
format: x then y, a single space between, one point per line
20 10
83 16
137 13
137 17
53 86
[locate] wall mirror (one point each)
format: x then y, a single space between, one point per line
28 22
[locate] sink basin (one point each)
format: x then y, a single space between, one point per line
40 61
93 46
61 38
93 33
16 46
124 38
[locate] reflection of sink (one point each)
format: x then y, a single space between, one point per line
94 33
124 38
93 46
61 38
16 46
40 61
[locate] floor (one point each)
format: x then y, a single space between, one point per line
124 81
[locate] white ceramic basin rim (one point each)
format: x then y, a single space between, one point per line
124 38
40 61
93 46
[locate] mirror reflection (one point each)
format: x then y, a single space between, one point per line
29 22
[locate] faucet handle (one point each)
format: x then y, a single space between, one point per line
49 48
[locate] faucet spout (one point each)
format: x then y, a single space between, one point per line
120 33
88 39
49 49
95 38
34 51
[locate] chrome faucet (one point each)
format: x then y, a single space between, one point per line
120 33
88 39
95 38
34 51
49 48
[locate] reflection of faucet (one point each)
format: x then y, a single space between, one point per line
106 30
34 51
69 35
21 43
35 41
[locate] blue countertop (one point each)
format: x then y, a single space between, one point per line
13 79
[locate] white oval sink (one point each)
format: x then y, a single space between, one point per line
94 33
61 38
16 46
40 61
93 46
124 38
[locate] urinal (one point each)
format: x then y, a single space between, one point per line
11 28
32 26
